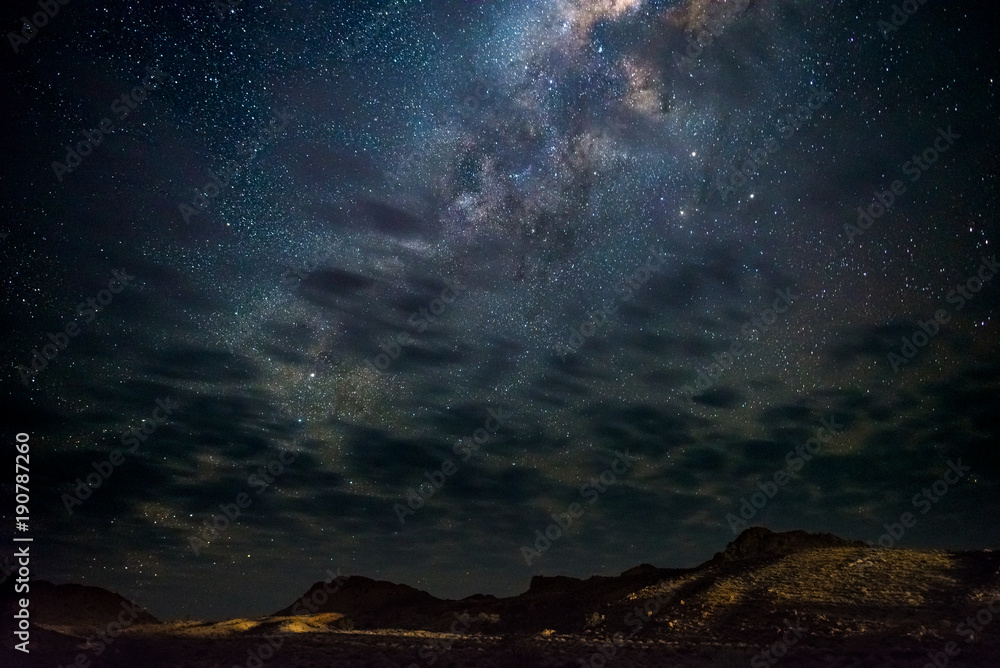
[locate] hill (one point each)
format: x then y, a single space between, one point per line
760 579
834 602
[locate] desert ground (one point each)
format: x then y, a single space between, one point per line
790 599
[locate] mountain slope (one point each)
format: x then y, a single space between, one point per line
840 588
82 607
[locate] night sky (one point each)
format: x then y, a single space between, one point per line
364 246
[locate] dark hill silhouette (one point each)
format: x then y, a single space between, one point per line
367 602
81 606
811 569
757 542
869 606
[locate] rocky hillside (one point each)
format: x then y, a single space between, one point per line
81 607
759 542
838 587
843 603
